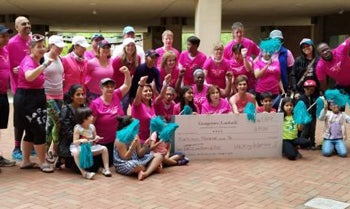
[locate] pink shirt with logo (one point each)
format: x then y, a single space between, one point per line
165 110
74 71
242 102
270 80
4 70
161 52
238 68
18 48
106 116
190 64
89 54
28 63
253 49
178 110
95 72
174 75
144 115
119 76
338 68
223 107
199 96
216 72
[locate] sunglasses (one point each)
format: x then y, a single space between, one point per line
37 37
25 23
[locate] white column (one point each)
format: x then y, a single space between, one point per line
207 24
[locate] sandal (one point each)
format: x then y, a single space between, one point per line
46 168
30 166
88 175
106 172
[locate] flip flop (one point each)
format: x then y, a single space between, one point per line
46 168
30 166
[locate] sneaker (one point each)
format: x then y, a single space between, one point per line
183 161
17 154
6 163
106 172
88 175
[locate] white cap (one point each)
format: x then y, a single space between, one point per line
128 41
81 41
57 40
276 34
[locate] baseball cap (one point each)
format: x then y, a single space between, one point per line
57 40
4 30
104 43
81 41
104 81
97 35
310 83
128 41
151 53
306 41
276 34
128 29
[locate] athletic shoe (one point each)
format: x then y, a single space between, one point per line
17 154
6 163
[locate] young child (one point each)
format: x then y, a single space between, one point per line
290 132
164 102
309 98
214 104
242 97
85 132
186 98
163 148
334 132
266 101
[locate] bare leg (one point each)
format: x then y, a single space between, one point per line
105 157
76 160
27 148
40 150
154 164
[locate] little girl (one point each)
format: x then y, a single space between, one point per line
290 132
85 132
334 130
186 98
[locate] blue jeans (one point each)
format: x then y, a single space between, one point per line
329 145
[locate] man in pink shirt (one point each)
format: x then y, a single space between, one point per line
335 64
18 48
238 33
191 59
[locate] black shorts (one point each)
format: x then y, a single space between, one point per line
30 114
4 111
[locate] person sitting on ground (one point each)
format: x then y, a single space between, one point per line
215 104
130 157
334 132
85 132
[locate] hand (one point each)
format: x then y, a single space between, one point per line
83 141
182 72
143 80
48 62
167 79
244 52
97 138
229 75
124 70
15 70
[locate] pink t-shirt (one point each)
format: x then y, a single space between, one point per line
178 110
190 64
338 68
162 147
199 97
223 107
161 52
4 70
18 48
252 48
269 81
119 76
238 68
260 109
216 72
28 63
242 102
89 54
95 72
106 116
144 115
74 71
174 75
165 110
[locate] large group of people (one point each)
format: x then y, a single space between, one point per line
70 109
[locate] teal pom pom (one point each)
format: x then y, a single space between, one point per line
319 106
250 110
128 133
187 110
270 46
157 124
167 134
337 97
85 156
301 115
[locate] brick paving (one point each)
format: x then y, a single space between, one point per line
236 183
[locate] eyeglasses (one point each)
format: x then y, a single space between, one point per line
37 37
25 23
